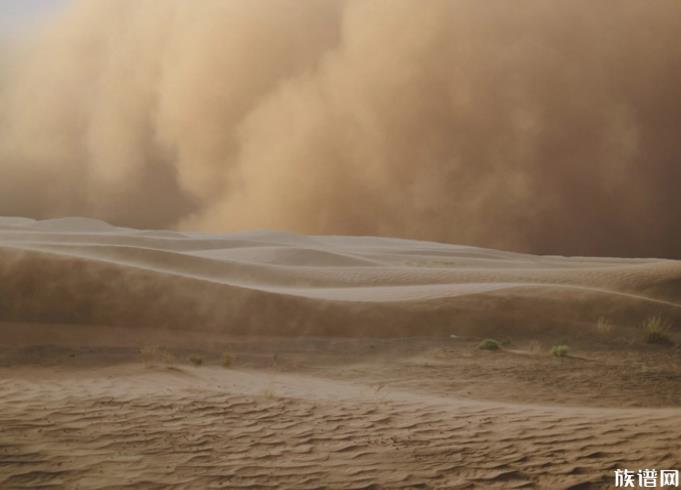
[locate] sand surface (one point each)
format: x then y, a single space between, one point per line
352 362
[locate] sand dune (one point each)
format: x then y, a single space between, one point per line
353 362
86 271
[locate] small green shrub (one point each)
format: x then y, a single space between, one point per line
489 344
560 350
656 331
227 360
196 360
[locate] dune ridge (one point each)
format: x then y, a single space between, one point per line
85 271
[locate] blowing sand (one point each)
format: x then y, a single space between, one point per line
352 362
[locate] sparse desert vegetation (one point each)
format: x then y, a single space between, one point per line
196 360
268 393
227 360
149 354
561 350
604 327
153 354
656 330
489 344
168 358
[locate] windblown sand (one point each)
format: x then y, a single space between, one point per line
352 362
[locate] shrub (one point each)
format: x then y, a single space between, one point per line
153 354
168 358
149 354
604 327
656 331
226 360
489 344
268 393
196 360
560 350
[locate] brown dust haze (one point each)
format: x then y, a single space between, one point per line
550 127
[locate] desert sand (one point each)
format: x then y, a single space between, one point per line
164 359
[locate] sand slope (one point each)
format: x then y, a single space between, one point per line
333 414
87 272
365 372
134 433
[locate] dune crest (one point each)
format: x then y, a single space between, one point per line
85 271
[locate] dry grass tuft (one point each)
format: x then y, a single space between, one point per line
604 327
656 331
149 354
196 360
153 354
227 360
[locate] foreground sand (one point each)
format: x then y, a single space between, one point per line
333 413
354 362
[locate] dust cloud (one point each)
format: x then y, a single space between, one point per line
548 127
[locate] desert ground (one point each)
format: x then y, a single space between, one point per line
164 359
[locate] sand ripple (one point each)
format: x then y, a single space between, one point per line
227 431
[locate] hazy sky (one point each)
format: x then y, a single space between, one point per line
551 128
15 14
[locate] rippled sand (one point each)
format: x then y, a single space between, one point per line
353 363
